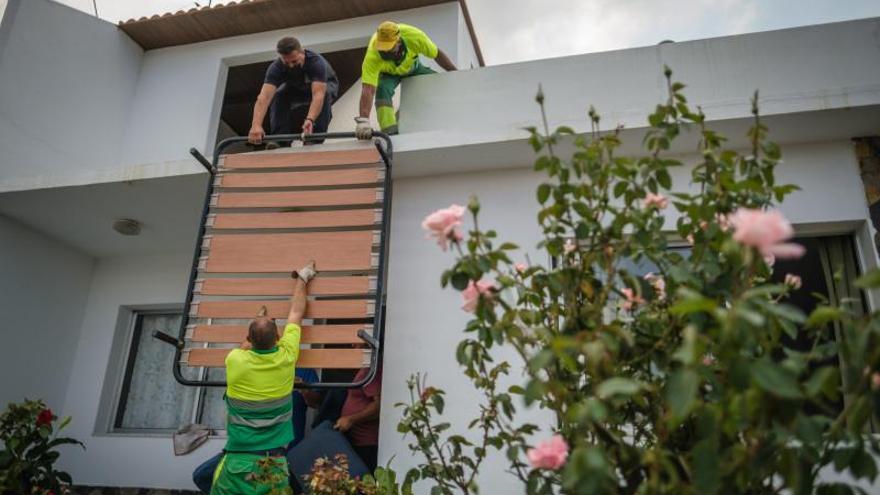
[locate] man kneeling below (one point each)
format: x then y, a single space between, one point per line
259 382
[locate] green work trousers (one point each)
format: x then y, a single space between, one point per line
250 474
385 92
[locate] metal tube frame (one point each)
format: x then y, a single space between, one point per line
373 341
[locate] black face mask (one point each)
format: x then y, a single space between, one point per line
392 55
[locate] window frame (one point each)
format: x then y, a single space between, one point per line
119 374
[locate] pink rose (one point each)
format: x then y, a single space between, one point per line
766 231
549 454
472 293
655 200
658 283
443 225
521 267
793 281
708 360
632 299
875 381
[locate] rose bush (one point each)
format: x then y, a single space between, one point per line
29 436
681 381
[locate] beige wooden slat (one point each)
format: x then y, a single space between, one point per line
348 308
311 334
298 199
301 158
296 220
308 358
268 253
337 286
346 177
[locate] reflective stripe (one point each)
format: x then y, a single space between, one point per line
386 117
254 405
259 422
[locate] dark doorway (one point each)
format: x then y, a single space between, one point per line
243 84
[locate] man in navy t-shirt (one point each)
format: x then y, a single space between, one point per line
298 77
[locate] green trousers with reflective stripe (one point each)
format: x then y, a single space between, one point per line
385 92
250 474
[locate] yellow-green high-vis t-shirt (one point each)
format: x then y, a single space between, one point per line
417 43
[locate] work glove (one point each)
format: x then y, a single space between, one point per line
305 273
363 129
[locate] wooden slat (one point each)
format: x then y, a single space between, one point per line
354 308
345 177
262 253
300 199
302 158
316 334
337 286
295 220
308 358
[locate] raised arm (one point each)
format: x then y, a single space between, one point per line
300 292
298 302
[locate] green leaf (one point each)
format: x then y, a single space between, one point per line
664 179
776 380
869 280
823 380
822 315
543 193
681 392
64 423
438 403
862 465
460 280
786 311
618 386
706 467
692 302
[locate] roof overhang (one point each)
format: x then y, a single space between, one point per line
256 16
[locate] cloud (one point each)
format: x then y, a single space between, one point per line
565 27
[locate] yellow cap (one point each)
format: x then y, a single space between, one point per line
387 36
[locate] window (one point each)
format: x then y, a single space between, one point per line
150 400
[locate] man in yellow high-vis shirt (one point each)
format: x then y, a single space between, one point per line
393 53
259 381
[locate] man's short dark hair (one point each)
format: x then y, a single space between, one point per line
263 333
288 44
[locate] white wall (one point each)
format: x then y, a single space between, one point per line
133 460
95 108
425 322
67 81
44 285
797 70
181 88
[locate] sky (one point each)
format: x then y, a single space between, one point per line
518 30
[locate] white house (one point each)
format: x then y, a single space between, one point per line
96 121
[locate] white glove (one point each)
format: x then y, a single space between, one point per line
363 129
305 273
